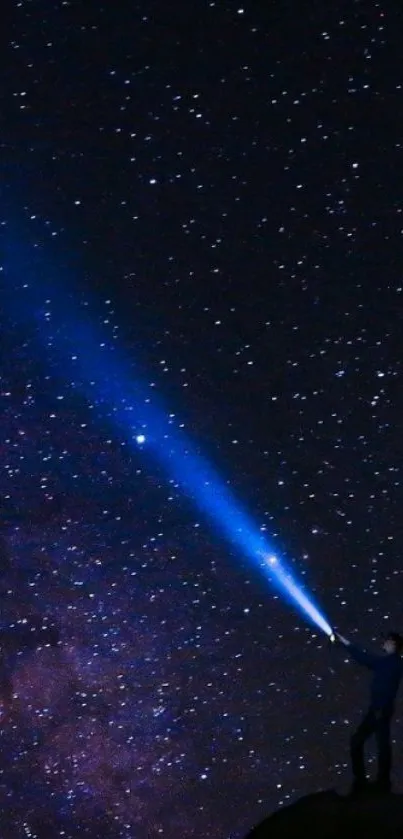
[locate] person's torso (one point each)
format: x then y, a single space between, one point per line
386 680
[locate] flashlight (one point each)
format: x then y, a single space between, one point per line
332 637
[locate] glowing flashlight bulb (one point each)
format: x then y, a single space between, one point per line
272 560
140 439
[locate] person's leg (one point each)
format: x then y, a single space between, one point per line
384 752
357 742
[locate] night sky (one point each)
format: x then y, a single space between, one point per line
216 188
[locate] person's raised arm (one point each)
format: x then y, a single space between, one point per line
360 656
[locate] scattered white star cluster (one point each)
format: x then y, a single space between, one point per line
216 185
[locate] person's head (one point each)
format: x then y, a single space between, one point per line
393 643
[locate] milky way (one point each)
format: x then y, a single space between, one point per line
217 187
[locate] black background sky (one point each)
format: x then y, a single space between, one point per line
221 184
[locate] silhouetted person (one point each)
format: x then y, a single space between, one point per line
387 671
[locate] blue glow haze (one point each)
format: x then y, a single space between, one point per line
46 306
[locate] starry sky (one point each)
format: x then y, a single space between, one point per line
215 187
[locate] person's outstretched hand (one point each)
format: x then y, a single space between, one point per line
342 640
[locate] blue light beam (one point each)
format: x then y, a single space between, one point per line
297 594
89 362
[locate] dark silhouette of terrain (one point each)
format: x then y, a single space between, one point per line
328 815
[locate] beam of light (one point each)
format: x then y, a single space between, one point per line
88 361
297 594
